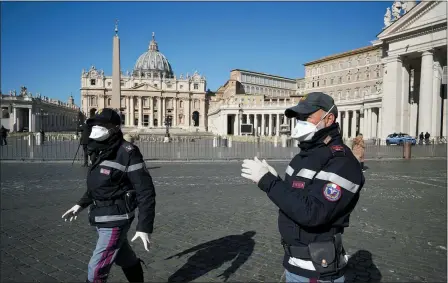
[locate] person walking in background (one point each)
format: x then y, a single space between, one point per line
427 135
84 141
358 149
420 138
3 135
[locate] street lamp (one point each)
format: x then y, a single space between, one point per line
168 121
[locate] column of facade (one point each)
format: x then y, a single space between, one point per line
277 128
30 122
140 111
174 123
159 111
404 117
240 122
202 124
374 118
151 116
345 125
361 122
353 132
425 103
132 113
187 115
380 121
338 119
256 124
369 123
163 110
235 125
270 124
444 125
263 124
436 113
392 92
365 119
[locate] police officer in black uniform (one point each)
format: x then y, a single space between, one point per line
117 183
320 189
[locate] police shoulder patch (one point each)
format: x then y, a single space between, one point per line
337 150
128 147
332 192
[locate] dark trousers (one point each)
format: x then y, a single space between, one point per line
3 140
86 156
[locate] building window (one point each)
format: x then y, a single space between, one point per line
92 82
377 74
181 86
368 60
181 104
196 86
325 82
332 81
317 83
367 75
155 85
108 101
109 83
340 80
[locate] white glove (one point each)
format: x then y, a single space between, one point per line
253 169
72 213
145 238
271 169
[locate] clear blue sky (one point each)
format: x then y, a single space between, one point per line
45 45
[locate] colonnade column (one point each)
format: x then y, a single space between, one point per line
255 124
345 125
426 83
361 122
380 121
270 116
159 111
374 121
436 101
277 128
353 134
140 111
263 125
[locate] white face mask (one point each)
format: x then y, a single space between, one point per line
304 130
99 133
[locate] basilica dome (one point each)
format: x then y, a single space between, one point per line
153 63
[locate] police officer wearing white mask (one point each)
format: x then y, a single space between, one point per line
320 189
117 183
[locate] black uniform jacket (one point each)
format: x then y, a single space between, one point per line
108 181
320 189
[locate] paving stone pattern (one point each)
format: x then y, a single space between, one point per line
210 219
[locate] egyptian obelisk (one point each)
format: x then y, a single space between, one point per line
116 72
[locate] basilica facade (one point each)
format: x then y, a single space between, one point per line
149 95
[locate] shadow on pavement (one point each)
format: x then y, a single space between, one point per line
213 254
360 268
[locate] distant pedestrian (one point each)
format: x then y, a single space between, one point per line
3 135
84 141
358 149
427 135
420 138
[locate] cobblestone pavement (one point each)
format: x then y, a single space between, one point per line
397 232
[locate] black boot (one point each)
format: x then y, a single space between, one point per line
134 273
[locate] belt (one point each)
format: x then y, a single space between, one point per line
303 252
103 203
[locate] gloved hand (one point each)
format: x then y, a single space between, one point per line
253 169
72 213
145 238
271 169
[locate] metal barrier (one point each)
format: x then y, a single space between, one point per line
196 148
